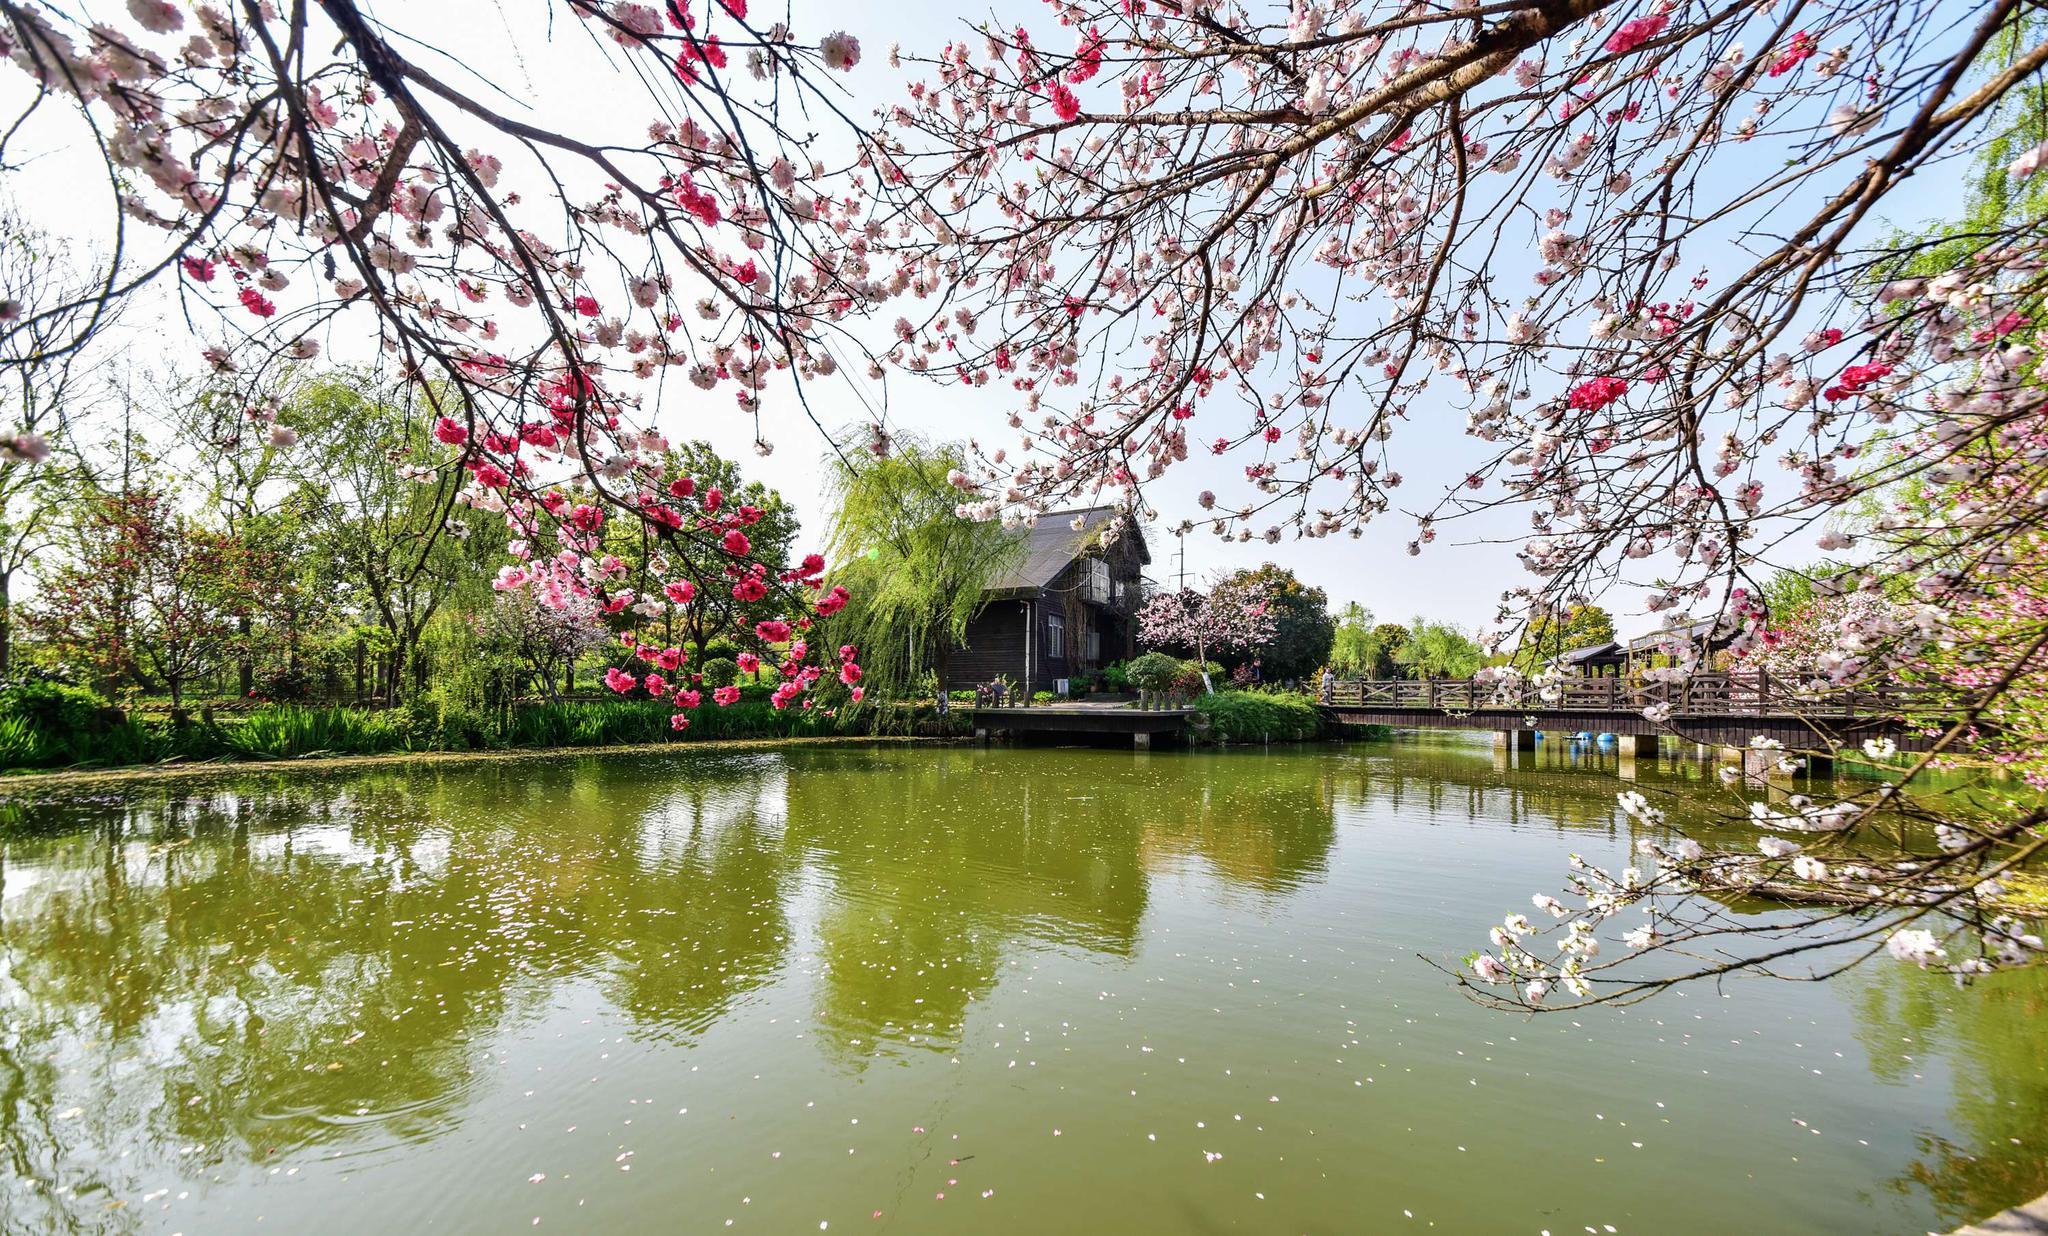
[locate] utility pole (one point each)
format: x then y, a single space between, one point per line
1182 554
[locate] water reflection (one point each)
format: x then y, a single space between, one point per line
202 981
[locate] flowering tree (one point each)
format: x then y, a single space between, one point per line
1234 617
294 170
1639 243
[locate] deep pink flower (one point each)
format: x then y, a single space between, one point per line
448 429
619 680
1635 32
1065 103
1597 393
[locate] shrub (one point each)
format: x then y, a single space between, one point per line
289 685
50 724
1246 716
721 672
1153 671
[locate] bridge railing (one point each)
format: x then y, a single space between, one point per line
1703 695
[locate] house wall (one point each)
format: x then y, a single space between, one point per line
994 645
995 641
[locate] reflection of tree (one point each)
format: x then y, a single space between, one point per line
701 914
1259 822
937 874
954 866
250 969
1991 1038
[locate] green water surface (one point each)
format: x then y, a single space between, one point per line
933 990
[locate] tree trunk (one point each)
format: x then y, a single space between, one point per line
362 654
245 670
6 621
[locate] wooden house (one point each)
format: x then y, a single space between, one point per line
1069 605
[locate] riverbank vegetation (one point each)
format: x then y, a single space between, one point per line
49 726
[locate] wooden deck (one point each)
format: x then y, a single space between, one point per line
1142 725
1718 709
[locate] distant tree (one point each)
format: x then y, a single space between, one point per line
143 594
543 641
914 569
400 542
1439 650
1353 649
1547 636
189 584
1302 625
1389 638
83 614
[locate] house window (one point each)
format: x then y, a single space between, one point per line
1055 637
1091 646
1095 581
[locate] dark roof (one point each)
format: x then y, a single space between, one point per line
1701 631
1053 542
1608 651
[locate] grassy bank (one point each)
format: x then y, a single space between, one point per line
74 730
86 778
1262 716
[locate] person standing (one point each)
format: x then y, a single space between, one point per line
1329 691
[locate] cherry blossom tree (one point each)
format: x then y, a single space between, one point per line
1233 617
297 173
1641 246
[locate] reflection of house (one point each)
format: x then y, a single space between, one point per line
1067 606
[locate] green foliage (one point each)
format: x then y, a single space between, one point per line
721 672
52 724
1438 650
1152 671
1548 636
916 571
1354 648
1304 628
293 732
36 733
1259 716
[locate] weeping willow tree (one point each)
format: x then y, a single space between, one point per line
916 570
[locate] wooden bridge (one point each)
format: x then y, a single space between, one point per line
1725 710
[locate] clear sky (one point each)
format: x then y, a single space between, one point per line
532 56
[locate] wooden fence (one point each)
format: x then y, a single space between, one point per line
1703 695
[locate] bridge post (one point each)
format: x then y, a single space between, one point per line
1629 746
1514 740
1141 741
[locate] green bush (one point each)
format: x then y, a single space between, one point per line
720 672
51 724
1247 716
1153 671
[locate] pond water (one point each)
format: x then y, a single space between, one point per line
903 989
